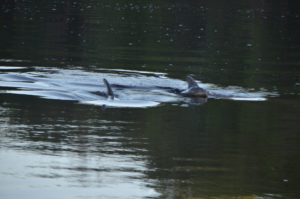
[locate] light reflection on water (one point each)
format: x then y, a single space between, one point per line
87 176
87 161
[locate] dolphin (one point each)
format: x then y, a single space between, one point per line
110 93
193 90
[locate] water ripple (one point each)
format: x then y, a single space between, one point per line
135 89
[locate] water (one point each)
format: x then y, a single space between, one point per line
131 89
58 139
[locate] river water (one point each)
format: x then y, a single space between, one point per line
60 139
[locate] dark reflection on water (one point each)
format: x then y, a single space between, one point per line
221 149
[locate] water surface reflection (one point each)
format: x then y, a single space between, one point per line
90 158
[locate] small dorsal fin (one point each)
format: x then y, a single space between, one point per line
191 82
109 90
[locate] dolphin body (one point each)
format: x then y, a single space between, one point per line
193 90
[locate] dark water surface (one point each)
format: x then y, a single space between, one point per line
58 139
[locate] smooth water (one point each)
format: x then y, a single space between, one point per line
60 139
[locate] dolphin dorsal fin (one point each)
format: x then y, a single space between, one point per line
191 82
109 90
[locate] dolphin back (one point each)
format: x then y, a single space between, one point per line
191 82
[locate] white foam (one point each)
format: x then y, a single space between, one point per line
257 99
12 67
122 103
